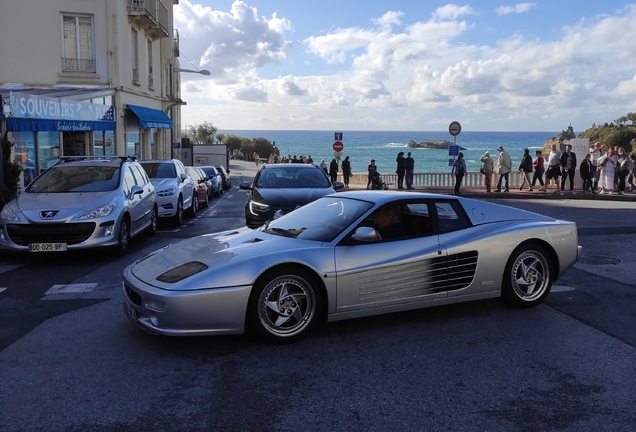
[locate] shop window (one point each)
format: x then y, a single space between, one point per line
48 149
98 143
78 53
132 143
24 151
109 146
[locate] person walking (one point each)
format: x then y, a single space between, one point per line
596 152
624 165
504 165
608 168
323 165
486 170
525 167
539 169
587 173
554 170
459 169
372 170
346 171
333 171
400 170
568 164
409 166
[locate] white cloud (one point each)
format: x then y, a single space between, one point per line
519 8
230 44
405 77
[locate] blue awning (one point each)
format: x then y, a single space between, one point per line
150 118
44 125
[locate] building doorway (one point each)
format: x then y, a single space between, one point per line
74 143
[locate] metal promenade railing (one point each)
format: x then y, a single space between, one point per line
437 180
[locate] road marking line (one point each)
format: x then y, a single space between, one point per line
3 289
8 267
71 288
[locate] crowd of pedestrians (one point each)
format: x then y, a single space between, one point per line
602 170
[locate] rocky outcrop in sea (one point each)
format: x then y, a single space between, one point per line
437 144
565 135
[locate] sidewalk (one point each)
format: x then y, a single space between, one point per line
249 169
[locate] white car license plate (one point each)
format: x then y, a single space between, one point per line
132 312
47 247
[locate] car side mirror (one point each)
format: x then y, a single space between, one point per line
136 190
365 234
245 185
338 185
183 176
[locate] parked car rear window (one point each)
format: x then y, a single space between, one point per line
76 179
160 170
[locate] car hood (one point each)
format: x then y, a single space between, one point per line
163 183
291 197
220 252
68 205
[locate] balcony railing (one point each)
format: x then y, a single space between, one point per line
78 65
151 15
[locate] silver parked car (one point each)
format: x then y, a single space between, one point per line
348 255
81 202
176 191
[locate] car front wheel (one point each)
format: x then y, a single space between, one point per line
284 305
178 216
123 238
152 228
527 277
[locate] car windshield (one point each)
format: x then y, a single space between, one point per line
160 170
194 174
82 178
322 220
285 176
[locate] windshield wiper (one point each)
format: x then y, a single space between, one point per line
282 232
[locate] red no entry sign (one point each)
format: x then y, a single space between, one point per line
338 146
454 128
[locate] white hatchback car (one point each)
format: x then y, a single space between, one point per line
176 190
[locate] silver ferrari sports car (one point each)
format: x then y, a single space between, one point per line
348 255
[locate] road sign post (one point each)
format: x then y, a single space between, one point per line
454 129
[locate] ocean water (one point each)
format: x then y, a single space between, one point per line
362 146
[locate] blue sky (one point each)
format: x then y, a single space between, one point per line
407 65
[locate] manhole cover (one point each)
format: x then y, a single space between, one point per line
599 260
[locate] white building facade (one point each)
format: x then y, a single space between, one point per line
96 77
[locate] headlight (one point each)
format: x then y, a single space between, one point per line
8 214
254 207
102 211
167 192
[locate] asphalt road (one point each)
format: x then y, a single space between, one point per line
72 362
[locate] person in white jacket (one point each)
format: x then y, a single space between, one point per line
504 165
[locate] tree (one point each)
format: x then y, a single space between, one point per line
11 173
232 142
203 133
263 147
621 120
632 117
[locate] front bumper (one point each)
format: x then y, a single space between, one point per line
167 205
80 235
217 311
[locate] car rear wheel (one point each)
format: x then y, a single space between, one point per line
195 205
123 237
178 216
154 217
527 277
284 305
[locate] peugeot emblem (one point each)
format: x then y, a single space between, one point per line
49 214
